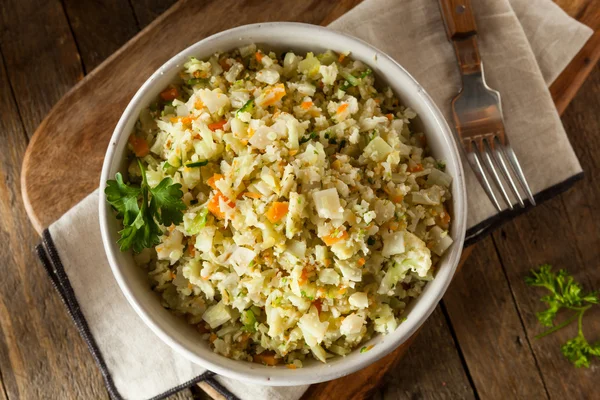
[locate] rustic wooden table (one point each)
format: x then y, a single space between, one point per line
478 343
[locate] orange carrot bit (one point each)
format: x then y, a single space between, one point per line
140 146
213 180
293 152
361 261
303 277
214 205
198 104
277 211
342 108
377 101
341 58
394 226
212 337
291 366
169 94
335 237
389 116
252 195
258 56
217 125
416 168
445 218
267 358
397 198
306 104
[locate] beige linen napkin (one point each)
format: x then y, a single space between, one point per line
524 45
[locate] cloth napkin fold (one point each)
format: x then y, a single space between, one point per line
524 44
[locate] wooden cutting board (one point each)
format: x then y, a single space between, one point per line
64 158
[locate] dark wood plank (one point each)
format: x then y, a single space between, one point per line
431 368
100 28
40 54
565 87
489 330
41 352
147 11
563 232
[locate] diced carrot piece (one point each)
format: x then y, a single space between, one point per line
274 94
217 125
341 58
293 152
252 195
334 238
342 108
212 337
140 146
258 56
198 104
416 168
191 249
213 179
361 261
389 116
277 211
445 218
306 104
169 94
303 277
214 205
397 198
267 358
291 366
342 290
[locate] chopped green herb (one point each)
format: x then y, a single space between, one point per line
166 166
366 73
567 294
371 241
196 81
143 208
332 141
351 79
310 136
441 166
197 164
247 107
326 135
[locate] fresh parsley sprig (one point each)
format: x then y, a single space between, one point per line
565 293
143 208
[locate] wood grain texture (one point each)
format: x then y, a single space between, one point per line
565 87
41 352
563 232
458 18
488 327
147 11
41 56
100 28
430 369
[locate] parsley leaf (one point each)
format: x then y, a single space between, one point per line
565 293
143 209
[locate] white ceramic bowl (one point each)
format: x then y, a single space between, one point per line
301 38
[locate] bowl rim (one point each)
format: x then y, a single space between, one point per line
303 375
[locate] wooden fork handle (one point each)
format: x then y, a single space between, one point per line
458 16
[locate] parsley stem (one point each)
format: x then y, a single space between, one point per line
560 326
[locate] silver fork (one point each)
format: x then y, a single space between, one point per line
477 112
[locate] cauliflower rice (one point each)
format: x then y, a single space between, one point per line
314 212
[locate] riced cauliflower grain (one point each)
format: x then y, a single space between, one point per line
314 210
